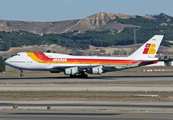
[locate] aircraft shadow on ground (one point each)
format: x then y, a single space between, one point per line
90 77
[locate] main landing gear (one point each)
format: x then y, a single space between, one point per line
82 75
73 76
21 75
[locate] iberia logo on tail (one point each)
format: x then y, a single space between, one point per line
149 49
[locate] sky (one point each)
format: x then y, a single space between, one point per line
59 10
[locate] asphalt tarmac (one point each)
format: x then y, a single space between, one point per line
85 110
51 84
84 87
42 115
95 110
89 79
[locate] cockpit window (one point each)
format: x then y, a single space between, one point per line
17 55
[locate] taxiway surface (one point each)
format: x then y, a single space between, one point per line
84 87
96 110
89 79
51 84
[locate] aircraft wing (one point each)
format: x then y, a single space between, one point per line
105 67
148 62
121 67
81 67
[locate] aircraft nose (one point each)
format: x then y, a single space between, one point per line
7 62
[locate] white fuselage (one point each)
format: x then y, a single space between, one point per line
25 62
72 65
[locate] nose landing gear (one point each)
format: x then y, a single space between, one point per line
21 75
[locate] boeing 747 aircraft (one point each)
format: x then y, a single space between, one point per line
81 65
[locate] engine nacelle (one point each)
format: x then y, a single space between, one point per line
96 70
71 71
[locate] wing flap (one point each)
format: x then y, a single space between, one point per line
121 67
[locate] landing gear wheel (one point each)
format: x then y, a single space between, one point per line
85 76
21 75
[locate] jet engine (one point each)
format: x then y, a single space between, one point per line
96 70
71 71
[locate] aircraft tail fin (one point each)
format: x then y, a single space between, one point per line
149 49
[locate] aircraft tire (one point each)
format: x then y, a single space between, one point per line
73 76
85 76
21 75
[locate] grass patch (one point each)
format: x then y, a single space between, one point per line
84 95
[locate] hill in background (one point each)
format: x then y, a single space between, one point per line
98 34
99 21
